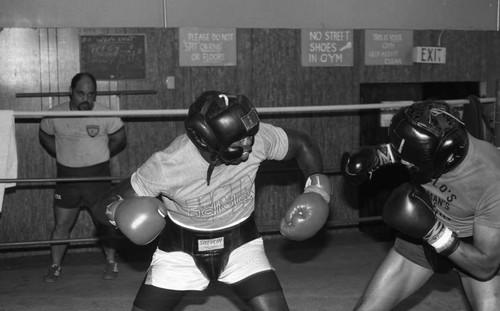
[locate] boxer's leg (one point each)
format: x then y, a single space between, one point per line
169 277
151 298
262 292
253 279
483 296
395 279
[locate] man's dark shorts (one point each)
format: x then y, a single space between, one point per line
81 194
424 255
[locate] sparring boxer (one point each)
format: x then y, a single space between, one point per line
447 217
206 182
82 147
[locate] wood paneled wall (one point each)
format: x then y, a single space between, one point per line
268 71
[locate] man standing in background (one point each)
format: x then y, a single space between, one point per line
82 147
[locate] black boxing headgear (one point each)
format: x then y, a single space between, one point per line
217 120
430 136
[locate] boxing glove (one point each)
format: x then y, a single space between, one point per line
122 190
409 210
308 213
140 219
357 166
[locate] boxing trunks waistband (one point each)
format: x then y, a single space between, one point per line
209 249
99 169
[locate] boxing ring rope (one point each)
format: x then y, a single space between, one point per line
118 178
99 93
264 230
389 105
260 110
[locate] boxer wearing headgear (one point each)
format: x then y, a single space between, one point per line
215 121
427 136
204 223
447 217
430 137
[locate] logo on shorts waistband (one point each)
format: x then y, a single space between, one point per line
205 245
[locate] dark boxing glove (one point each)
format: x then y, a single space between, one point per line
357 166
409 210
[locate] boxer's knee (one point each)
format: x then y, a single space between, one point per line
273 301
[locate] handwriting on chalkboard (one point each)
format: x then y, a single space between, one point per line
113 57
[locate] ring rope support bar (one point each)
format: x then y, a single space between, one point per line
261 110
100 93
110 178
65 179
332 224
262 230
46 242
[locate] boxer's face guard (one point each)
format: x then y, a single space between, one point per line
234 130
417 174
413 147
243 147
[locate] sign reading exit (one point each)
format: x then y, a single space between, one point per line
429 55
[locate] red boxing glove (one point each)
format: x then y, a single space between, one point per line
309 211
140 219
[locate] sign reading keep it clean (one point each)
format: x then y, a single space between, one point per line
388 47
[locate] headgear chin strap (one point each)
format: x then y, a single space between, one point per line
217 120
429 136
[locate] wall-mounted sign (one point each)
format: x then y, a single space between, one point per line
207 47
114 57
386 115
429 55
388 47
321 47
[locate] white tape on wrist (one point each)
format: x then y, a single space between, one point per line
110 210
319 184
444 240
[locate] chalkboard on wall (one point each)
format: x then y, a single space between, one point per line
114 57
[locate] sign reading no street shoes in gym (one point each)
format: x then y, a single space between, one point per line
323 48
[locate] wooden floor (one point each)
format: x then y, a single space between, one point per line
325 273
